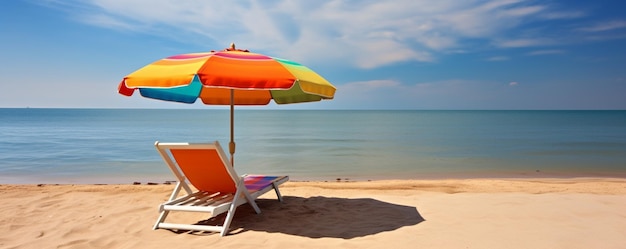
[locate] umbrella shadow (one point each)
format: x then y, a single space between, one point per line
322 217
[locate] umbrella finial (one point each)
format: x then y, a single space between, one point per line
232 48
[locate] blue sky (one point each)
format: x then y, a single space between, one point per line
401 54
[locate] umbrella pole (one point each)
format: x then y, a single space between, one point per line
231 145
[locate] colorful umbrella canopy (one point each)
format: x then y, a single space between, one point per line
228 77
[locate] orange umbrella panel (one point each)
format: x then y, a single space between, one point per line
244 70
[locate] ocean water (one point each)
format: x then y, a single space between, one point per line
116 145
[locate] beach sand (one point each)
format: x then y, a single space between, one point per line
466 213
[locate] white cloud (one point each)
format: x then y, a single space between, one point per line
370 85
366 34
606 26
556 15
498 58
546 52
111 22
524 11
513 83
525 42
447 94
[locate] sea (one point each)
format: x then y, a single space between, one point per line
116 146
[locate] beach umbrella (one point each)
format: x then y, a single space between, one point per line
227 77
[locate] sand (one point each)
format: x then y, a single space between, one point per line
469 213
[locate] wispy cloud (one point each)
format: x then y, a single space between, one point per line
446 94
525 42
546 52
605 26
371 84
111 22
367 34
560 15
498 58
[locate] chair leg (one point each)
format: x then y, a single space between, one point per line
255 206
180 184
229 218
231 212
280 197
242 190
162 216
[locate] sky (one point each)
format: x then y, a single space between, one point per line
396 54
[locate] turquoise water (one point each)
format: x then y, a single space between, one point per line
116 145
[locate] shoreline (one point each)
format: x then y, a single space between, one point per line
595 185
168 179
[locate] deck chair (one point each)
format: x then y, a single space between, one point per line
218 188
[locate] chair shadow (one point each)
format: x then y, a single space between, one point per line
322 217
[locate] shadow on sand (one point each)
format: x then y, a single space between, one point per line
322 217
